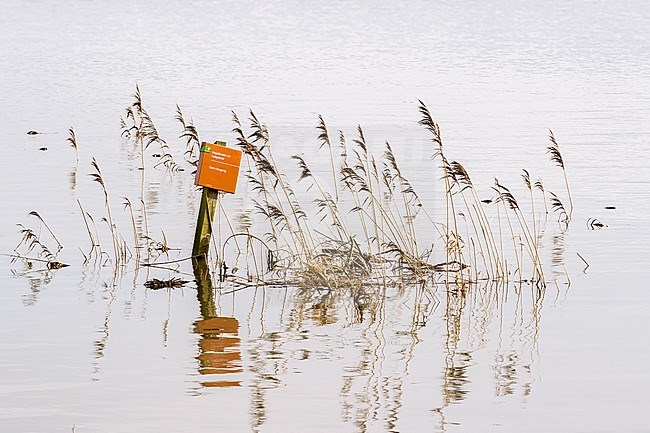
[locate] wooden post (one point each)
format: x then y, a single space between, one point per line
217 171
207 209
219 341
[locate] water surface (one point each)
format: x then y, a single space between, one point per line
78 348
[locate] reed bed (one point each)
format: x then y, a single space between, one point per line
361 227
346 235
367 225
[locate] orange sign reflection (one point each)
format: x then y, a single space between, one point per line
219 349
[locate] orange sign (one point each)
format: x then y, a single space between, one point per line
218 167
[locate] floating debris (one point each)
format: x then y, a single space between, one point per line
583 259
173 283
593 224
29 261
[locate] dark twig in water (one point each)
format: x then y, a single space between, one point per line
51 264
583 259
170 261
172 283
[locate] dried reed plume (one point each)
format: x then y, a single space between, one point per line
36 214
144 131
31 242
453 243
72 139
191 136
117 248
557 206
556 157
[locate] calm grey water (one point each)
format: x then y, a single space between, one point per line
81 352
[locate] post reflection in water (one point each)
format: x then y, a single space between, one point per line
219 352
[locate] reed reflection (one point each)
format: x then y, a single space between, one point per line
557 252
37 281
456 361
502 318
